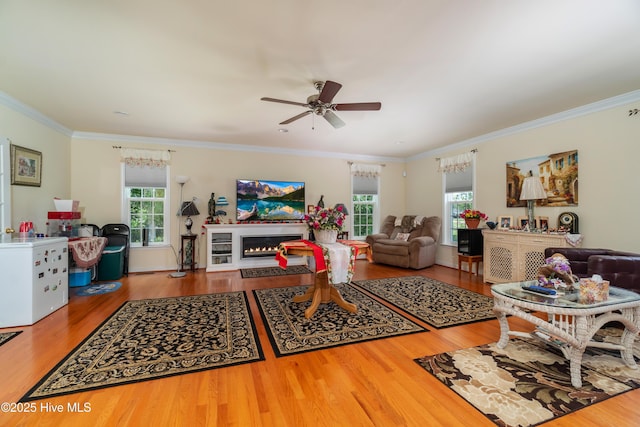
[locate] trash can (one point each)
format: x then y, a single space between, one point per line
111 265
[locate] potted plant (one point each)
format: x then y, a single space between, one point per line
325 223
472 217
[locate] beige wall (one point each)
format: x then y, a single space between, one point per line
33 203
96 175
607 144
89 170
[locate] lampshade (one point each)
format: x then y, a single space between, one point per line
182 179
344 208
222 201
532 189
189 209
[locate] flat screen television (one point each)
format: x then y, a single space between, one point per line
262 200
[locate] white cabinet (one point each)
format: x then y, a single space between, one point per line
34 280
228 244
511 256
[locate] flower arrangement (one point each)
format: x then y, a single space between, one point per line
473 214
556 273
325 218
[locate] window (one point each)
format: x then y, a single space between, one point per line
458 194
364 199
146 203
364 210
455 204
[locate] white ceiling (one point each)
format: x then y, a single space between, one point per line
195 70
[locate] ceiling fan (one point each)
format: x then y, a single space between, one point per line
321 105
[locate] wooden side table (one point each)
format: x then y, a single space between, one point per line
188 251
470 260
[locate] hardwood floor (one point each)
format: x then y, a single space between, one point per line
374 383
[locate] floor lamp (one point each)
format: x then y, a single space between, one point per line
180 179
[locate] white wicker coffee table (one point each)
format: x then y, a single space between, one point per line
570 324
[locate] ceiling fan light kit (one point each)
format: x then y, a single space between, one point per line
321 104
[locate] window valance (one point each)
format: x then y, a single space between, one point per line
457 163
366 171
148 158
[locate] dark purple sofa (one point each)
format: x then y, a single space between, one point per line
621 269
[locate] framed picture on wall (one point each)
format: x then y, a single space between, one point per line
505 222
26 166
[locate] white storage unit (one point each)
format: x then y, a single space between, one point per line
34 279
225 241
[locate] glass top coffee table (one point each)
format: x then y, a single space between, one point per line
571 323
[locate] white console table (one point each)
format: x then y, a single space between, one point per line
513 256
224 244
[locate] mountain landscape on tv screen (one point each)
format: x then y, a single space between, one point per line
270 200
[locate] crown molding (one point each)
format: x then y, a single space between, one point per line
594 107
19 107
605 104
173 143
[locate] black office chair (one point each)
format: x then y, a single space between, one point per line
118 235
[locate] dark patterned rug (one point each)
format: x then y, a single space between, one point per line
529 383
439 304
155 338
252 273
6 336
290 332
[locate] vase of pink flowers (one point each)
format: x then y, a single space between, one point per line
325 223
472 217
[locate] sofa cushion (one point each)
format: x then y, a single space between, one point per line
391 247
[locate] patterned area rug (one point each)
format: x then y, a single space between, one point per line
6 336
439 304
155 338
98 289
251 273
290 332
529 383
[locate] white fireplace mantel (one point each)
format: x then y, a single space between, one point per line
224 244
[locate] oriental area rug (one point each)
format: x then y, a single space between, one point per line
330 326
155 338
6 336
439 304
528 382
252 273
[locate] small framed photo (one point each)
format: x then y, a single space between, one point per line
505 222
26 166
310 209
542 222
523 221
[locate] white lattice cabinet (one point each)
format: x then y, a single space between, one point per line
511 256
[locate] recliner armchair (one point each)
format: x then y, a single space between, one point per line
408 242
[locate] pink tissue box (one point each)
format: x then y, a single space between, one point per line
592 291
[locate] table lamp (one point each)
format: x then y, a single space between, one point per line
532 190
189 209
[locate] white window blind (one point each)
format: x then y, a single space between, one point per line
145 176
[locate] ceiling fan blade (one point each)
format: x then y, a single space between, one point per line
335 121
281 101
329 91
292 119
358 106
